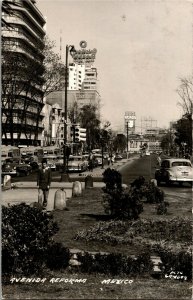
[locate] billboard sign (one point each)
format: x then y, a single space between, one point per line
84 56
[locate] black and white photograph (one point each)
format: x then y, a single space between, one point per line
96 149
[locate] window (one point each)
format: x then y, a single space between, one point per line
181 163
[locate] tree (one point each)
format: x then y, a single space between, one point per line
54 69
185 91
184 134
26 79
73 112
165 142
120 143
89 119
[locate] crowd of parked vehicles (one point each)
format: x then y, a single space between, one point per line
21 161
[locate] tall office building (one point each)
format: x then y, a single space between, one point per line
22 61
76 76
90 79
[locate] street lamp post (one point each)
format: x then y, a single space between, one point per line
102 144
64 175
127 139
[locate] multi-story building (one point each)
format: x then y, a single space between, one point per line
76 76
90 80
22 96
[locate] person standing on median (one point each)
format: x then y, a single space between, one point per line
44 181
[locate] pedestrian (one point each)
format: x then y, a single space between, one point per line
109 160
44 181
90 165
90 162
113 159
159 160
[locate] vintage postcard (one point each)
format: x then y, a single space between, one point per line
96 149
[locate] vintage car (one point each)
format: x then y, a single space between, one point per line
77 163
16 169
118 157
9 169
174 170
98 158
51 161
23 169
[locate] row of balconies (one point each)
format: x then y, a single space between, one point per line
20 35
18 21
17 121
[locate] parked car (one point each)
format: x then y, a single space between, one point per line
118 157
51 161
23 169
9 169
77 163
147 153
174 170
98 158
16 169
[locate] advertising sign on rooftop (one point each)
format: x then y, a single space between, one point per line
84 56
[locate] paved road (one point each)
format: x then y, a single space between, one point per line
146 167
130 170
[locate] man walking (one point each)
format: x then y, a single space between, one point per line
44 181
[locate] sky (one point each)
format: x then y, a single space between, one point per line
143 48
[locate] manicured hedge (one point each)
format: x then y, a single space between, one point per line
115 264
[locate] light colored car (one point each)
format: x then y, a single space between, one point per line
98 158
77 163
174 170
51 161
147 153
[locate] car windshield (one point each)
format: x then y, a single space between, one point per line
181 163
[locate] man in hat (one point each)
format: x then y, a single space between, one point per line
44 181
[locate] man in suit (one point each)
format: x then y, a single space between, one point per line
44 181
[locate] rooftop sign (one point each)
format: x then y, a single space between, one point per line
84 56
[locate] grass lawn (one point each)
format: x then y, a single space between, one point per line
84 212
94 288
87 210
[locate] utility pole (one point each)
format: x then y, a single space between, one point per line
127 139
64 175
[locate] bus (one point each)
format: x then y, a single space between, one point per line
32 151
51 150
11 153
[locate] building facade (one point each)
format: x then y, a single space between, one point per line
76 76
22 61
90 79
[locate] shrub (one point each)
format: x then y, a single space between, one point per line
26 233
176 264
150 232
112 179
152 193
119 203
57 256
115 264
122 205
